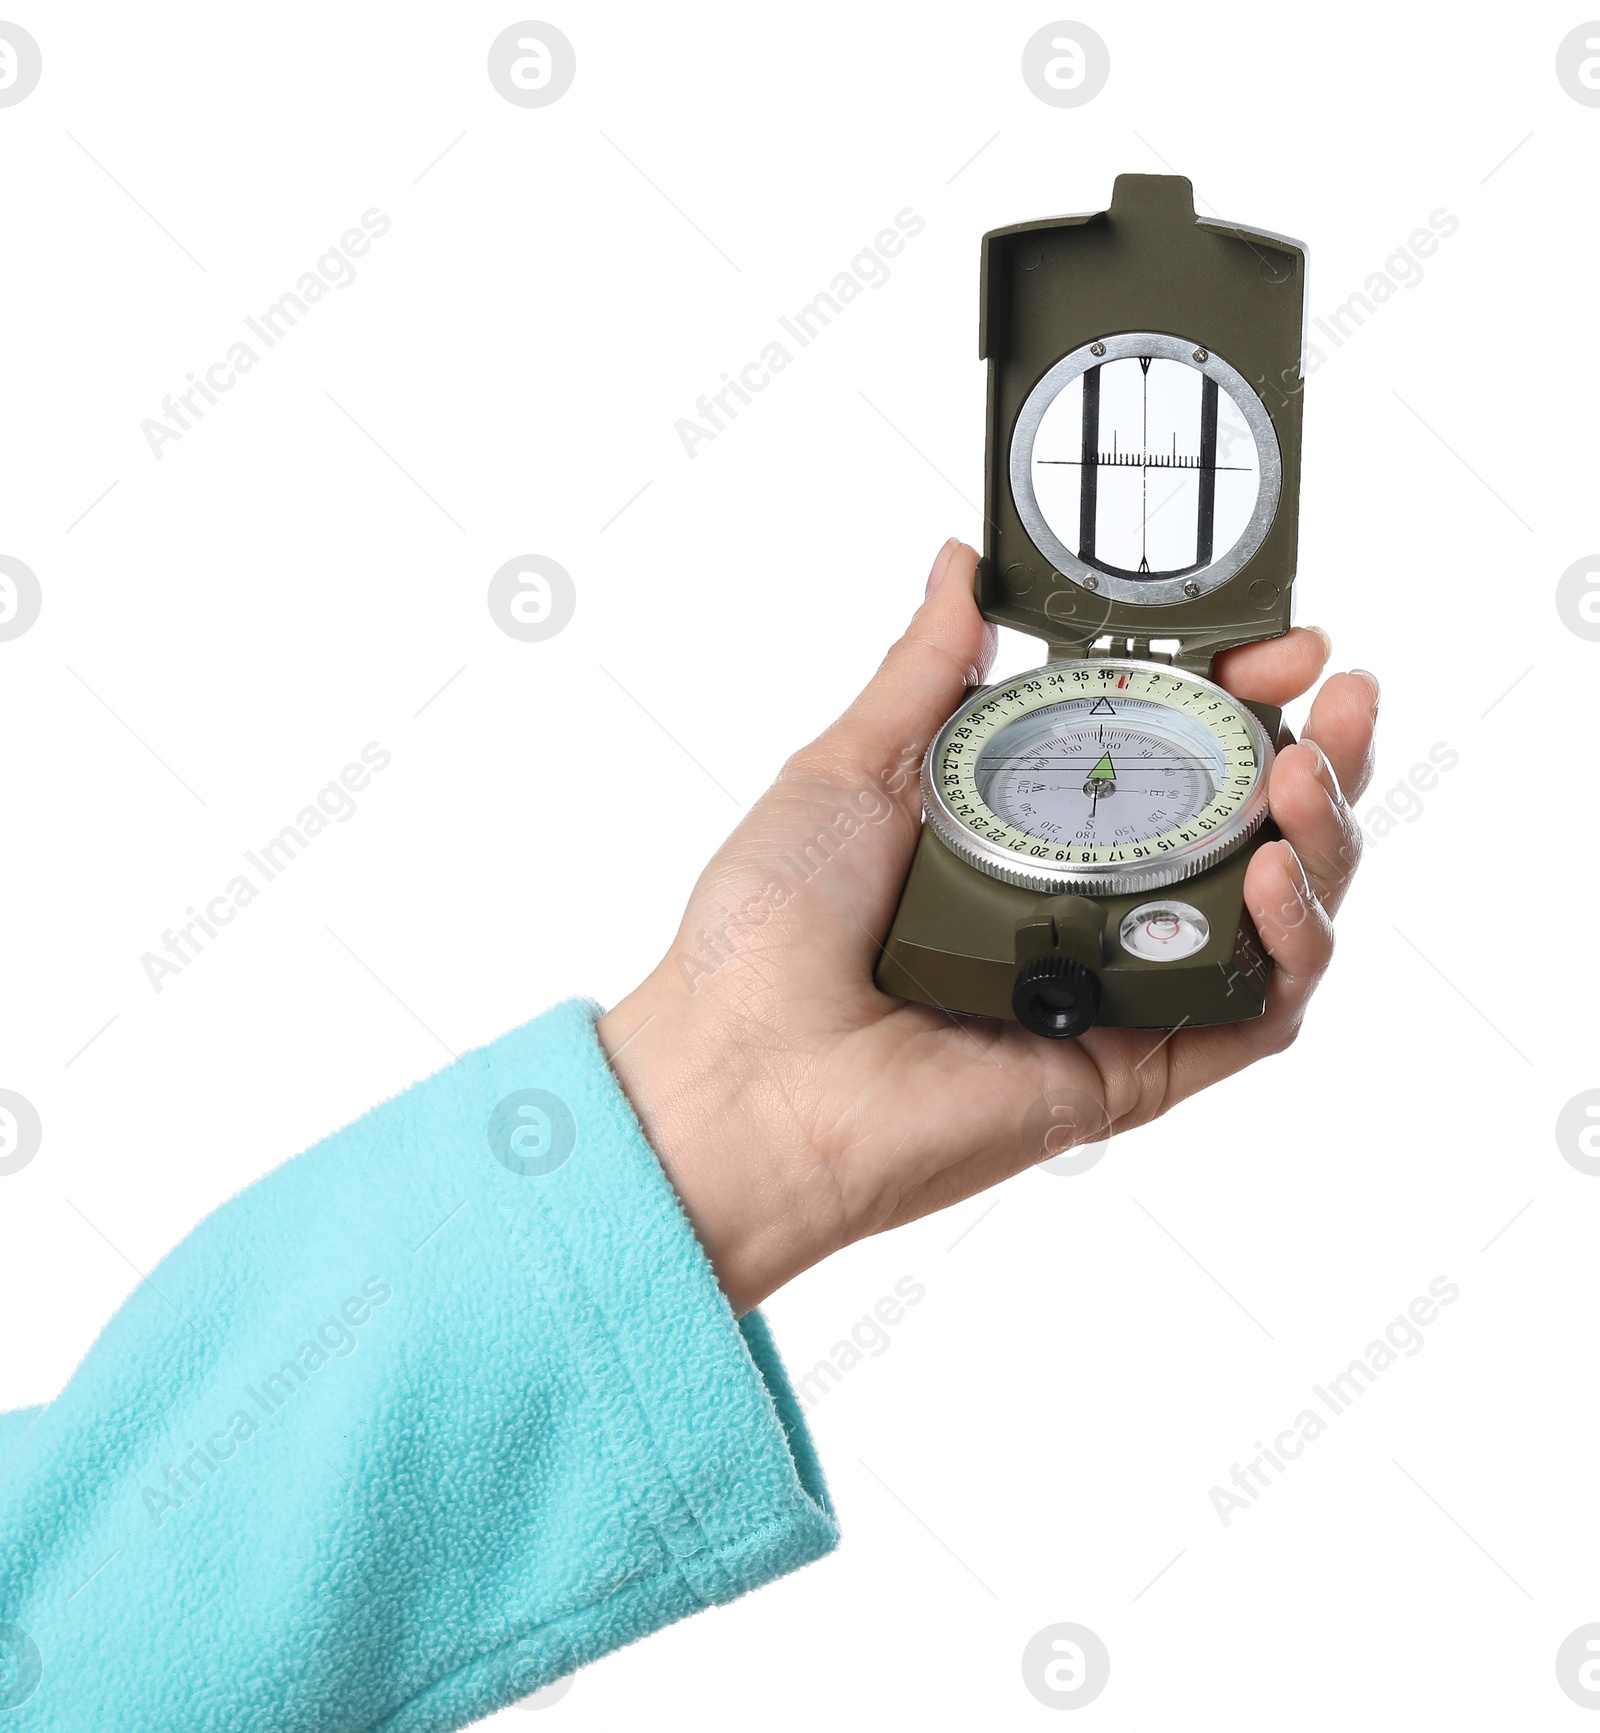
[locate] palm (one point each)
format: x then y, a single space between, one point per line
872 1111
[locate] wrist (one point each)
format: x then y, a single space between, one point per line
751 1197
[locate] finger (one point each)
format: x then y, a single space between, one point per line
1298 936
1277 670
1310 809
1343 717
946 648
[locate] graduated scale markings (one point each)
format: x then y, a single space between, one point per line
1106 526
1056 785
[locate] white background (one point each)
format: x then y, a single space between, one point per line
274 591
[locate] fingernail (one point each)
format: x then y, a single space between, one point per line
1323 771
941 564
1298 883
1327 642
1372 680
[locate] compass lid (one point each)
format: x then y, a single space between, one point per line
1143 437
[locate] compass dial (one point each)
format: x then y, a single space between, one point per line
1097 777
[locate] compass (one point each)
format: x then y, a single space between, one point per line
1089 822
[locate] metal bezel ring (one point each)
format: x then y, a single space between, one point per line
1152 591
1059 877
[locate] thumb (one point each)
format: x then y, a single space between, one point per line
946 648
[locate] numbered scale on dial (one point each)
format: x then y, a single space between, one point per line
1098 777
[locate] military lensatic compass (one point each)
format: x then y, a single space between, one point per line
1089 822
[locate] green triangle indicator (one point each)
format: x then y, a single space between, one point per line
1104 771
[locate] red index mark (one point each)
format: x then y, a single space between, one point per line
1122 680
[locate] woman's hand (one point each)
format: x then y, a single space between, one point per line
794 1106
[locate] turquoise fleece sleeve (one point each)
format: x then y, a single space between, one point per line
437 1412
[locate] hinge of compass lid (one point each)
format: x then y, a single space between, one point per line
1168 650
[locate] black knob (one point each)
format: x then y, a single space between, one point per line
1056 996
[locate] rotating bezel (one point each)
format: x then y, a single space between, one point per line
1096 878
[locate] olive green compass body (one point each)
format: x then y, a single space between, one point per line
1088 823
